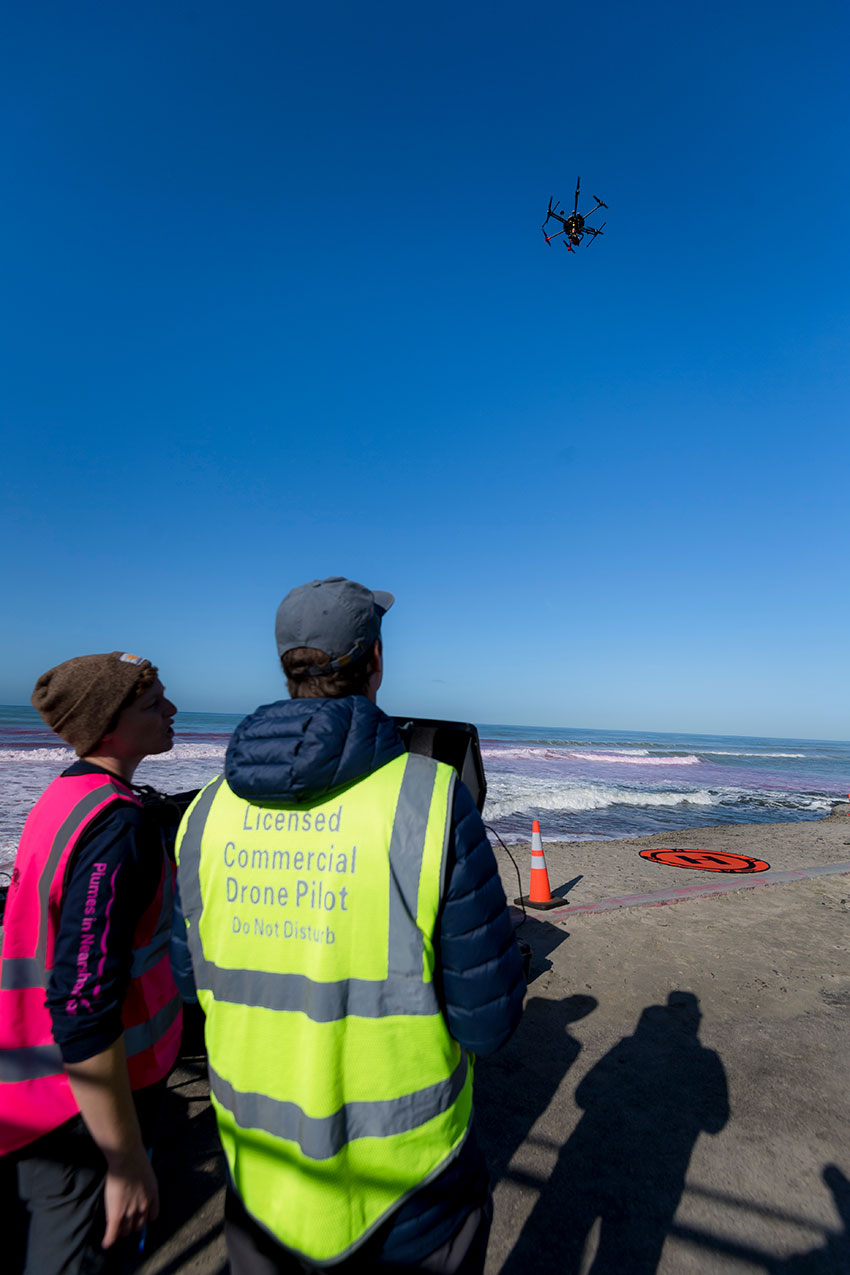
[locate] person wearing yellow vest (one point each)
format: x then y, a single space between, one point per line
90 1017
352 951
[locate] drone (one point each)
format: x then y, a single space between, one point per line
575 226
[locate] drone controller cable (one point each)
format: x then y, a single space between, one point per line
490 828
525 948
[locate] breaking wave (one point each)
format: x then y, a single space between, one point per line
181 751
718 752
62 756
191 752
612 756
618 759
523 754
508 799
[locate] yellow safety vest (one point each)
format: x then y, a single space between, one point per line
337 1087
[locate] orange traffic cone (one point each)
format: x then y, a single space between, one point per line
539 894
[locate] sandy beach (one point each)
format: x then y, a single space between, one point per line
585 872
692 1136
675 1098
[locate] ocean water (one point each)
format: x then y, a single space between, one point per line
580 784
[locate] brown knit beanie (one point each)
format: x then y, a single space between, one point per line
78 699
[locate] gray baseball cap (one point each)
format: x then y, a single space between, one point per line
337 616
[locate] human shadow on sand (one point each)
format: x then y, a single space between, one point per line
832 1258
645 1103
515 1086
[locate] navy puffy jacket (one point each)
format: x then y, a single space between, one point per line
300 751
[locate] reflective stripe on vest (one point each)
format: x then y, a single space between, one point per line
30 1063
19 972
34 1061
39 1097
323 1138
337 1086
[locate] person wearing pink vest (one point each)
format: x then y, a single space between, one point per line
90 1017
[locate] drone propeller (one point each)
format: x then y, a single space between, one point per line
578 183
600 203
596 230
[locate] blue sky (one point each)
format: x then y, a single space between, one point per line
277 306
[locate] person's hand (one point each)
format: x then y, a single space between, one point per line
101 1086
131 1198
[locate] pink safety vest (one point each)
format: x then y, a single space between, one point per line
35 1094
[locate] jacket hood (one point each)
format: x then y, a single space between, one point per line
300 750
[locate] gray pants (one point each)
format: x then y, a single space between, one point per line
252 1251
60 1182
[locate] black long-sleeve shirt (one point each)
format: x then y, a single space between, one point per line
113 878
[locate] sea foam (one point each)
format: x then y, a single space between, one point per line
613 756
64 757
511 798
719 752
621 759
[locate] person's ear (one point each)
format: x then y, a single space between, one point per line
377 674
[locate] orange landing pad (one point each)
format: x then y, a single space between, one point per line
706 860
